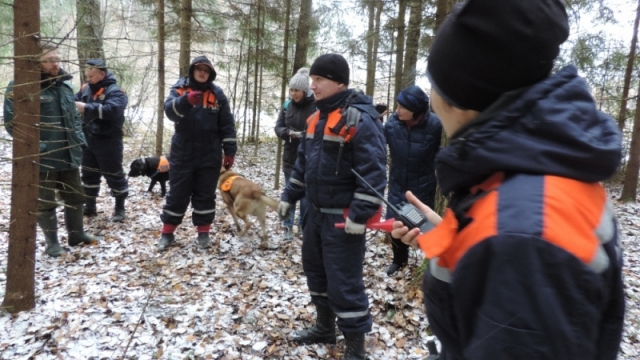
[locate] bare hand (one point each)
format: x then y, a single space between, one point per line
80 106
295 134
410 237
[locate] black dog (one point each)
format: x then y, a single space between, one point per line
152 167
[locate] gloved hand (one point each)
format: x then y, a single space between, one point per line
283 210
227 162
354 228
194 98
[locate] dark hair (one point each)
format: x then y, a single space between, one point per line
48 47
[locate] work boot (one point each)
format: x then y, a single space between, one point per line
324 331
393 268
204 242
49 226
166 240
119 214
75 227
354 346
90 207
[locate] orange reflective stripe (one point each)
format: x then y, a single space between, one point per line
333 119
163 164
227 184
574 233
208 97
95 96
312 120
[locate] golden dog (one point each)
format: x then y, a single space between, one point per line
243 197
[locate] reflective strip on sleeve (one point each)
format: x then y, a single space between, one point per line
333 138
369 198
229 140
173 105
439 272
297 182
100 111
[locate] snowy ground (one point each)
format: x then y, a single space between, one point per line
123 299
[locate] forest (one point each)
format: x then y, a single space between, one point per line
125 300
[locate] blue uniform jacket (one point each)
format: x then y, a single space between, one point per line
201 133
412 153
526 263
315 168
104 107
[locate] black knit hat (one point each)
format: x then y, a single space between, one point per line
488 47
331 66
414 100
97 64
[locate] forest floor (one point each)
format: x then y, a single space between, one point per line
124 299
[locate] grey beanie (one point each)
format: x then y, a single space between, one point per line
300 81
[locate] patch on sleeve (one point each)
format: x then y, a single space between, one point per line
9 95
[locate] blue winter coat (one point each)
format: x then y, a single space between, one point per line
527 263
201 133
329 183
104 107
412 153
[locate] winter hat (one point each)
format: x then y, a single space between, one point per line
300 81
97 64
202 60
488 47
331 66
414 100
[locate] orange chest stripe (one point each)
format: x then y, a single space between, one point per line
333 118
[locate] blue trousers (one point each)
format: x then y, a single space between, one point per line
333 263
304 205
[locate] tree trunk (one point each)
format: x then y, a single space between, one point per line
89 32
371 70
413 43
283 87
302 35
629 71
185 37
256 76
630 185
400 29
21 260
161 85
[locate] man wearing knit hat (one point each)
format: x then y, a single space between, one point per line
526 262
289 127
102 103
344 134
413 134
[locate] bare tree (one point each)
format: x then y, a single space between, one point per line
400 30
161 84
374 9
413 43
283 86
186 14
20 286
302 35
630 185
89 25
629 71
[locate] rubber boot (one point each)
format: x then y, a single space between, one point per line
75 227
400 256
204 242
166 240
354 346
119 213
324 331
49 226
90 207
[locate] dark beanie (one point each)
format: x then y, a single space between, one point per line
331 66
488 47
97 63
414 100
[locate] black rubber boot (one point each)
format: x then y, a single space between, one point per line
400 256
354 346
119 213
166 240
323 332
90 207
204 242
49 226
75 227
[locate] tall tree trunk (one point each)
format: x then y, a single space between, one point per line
89 30
185 37
630 185
371 70
302 35
376 40
256 76
283 87
400 30
161 85
413 43
629 71
21 260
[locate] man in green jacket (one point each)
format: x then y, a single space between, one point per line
61 141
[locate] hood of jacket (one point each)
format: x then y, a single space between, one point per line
552 127
349 97
212 75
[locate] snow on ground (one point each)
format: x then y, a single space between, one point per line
123 299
